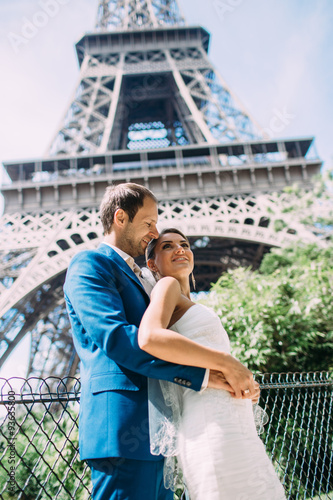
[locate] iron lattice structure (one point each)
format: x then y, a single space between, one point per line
137 14
149 108
147 84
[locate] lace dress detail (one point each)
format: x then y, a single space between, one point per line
209 434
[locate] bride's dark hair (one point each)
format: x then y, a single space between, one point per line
150 250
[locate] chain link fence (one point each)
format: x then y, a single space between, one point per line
39 436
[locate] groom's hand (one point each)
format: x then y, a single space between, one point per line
218 381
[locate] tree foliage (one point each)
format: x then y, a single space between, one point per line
280 318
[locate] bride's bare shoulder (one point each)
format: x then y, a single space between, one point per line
168 284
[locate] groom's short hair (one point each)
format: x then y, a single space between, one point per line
128 196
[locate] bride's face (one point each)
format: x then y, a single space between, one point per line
173 256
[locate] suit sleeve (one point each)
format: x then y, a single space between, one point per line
94 298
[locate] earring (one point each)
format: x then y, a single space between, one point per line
193 280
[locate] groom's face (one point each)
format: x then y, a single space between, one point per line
137 234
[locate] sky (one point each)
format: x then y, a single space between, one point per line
275 55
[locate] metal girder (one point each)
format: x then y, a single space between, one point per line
107 103
137 14
42 314
117 80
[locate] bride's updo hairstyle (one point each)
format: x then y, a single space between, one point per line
150 251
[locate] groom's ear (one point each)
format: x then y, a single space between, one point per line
119 217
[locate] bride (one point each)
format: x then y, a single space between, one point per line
216 441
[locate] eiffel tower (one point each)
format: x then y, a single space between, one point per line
149 108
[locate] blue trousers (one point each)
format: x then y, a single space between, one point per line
127 479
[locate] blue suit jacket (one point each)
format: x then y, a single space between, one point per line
105 302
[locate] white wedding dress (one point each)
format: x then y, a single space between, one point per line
213 435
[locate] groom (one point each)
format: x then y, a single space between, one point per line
106 300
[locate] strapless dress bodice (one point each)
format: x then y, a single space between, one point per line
202 324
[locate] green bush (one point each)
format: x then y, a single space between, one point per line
280 318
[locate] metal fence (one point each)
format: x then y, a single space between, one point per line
39 436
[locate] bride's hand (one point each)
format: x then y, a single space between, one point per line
255 396
218 381
239 378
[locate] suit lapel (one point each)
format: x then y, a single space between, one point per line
125 268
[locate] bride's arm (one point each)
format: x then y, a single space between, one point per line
157 340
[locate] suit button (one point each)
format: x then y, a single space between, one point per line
188 383
176 379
